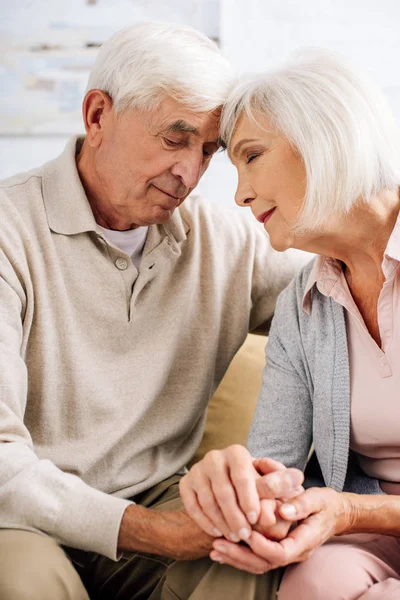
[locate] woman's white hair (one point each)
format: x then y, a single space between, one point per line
143 64
336 119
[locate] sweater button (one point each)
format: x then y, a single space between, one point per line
121 264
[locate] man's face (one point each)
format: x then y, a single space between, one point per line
149 161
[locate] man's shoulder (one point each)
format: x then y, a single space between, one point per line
205 218
21 189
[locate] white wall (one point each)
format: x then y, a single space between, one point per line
258 34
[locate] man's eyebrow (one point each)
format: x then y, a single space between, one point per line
236 149
181 126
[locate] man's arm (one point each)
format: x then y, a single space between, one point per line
167 533
34 494
37 496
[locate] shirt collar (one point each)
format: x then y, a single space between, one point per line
67 207
325 272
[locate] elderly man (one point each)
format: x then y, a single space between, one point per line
121 307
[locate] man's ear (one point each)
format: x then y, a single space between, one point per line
97 110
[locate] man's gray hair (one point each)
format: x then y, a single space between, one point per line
336 119
140 66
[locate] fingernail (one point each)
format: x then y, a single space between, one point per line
217 558
288 510
234 537
219 547
252 517
217 532
244 533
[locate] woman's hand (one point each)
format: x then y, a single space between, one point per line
321 512
222 492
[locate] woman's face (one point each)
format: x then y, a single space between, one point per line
272 179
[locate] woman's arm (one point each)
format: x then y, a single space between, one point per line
222 492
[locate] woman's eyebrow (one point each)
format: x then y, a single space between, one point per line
236 149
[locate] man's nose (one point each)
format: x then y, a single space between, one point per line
189 169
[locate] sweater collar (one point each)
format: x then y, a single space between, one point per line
67 207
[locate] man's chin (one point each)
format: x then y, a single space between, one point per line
162 214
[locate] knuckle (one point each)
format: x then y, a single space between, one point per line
266 486
192 475
238 450
212 456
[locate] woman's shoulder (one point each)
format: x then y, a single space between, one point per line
291 298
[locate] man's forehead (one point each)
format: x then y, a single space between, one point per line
181 120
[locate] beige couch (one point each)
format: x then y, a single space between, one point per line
231 408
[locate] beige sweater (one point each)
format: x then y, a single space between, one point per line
105 372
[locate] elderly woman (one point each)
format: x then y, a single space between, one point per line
316 149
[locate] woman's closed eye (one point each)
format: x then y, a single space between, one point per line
251 157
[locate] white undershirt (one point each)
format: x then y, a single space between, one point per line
131 241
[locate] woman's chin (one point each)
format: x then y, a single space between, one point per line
279 242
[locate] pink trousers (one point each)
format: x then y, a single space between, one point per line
352 567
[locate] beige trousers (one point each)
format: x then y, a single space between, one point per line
35 567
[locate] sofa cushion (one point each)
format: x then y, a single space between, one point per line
231 408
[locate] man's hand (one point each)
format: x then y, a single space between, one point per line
222 492
167 533
322 513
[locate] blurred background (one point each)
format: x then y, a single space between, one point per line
47 48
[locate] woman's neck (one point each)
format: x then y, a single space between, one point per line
359 238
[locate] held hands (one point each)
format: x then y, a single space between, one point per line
232 495
224 492
321 513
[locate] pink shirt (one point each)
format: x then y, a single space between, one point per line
374 371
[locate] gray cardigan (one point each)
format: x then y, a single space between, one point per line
305 396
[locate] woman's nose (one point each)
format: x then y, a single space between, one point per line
244 194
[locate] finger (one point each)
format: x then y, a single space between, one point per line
212 512
294 493
311 501
299 543
267 465
270 524
270 551
279 484
243 476
195 512
225 495
238 556
302 540
267 515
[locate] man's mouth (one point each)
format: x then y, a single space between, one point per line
265 216
174 196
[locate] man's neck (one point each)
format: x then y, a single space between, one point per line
96 192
